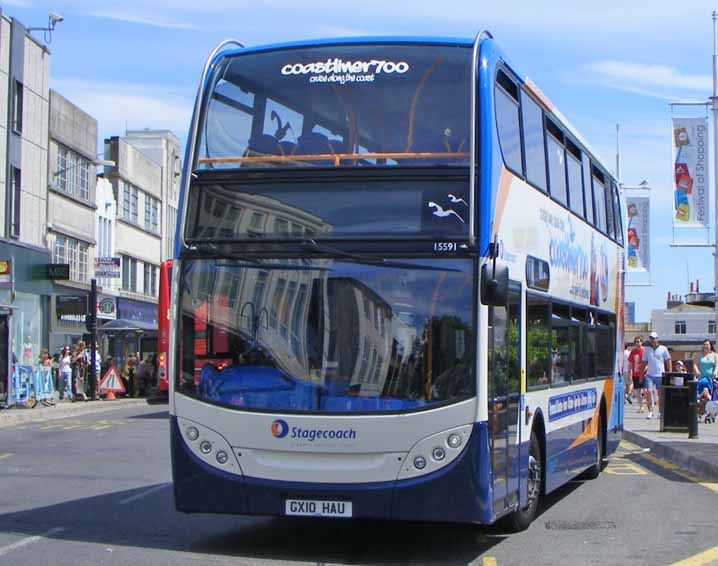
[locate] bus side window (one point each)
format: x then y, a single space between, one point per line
617 214
537 340
575 178
587 190
507 121
534 146
599 199
556 159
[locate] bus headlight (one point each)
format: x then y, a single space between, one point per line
205 447
420 462
222 457
454 441
192 433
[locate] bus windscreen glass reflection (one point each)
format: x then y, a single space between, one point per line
327 336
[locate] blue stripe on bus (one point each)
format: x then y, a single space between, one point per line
440 496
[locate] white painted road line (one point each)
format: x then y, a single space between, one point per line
141 495
29 540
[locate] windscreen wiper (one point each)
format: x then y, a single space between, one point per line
311 245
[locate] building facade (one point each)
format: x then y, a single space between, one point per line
24 109
71 211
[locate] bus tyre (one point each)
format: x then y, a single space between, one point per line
593 472
522 517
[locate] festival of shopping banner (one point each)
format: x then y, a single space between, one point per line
638 252
690 172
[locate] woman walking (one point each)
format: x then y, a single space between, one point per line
65 363
706 372
80 365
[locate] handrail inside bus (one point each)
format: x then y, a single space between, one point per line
336 157
472 163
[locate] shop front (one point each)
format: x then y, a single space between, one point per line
67 323
24 297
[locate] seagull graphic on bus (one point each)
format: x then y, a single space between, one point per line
456 199
441 213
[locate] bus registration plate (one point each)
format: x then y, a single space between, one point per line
315 508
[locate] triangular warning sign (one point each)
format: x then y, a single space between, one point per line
111 382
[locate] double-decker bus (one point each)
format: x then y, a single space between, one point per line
397 289
163 326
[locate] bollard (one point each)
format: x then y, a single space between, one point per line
692 409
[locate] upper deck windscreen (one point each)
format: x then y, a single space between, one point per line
340 106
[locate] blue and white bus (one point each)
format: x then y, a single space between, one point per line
398 287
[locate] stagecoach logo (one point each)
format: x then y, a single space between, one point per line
280 428
339 71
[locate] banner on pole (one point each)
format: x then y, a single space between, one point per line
690 172
638 252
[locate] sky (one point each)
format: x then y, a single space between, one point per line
136 64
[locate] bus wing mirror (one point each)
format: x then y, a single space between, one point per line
494 283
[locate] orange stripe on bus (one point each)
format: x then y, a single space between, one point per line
591 430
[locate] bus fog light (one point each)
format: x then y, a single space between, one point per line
438 454
192 433
205 447
454 441
420 462
222 457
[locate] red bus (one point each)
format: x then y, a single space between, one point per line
163 325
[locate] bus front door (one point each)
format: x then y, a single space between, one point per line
504 398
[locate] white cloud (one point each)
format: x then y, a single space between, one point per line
643 78
134 18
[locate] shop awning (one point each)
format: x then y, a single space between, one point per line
124 325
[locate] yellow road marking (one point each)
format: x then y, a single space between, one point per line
488 561
704 558
712 486
101 427
6 455
620 467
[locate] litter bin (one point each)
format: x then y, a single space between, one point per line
677 405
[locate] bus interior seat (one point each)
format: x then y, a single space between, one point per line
313 143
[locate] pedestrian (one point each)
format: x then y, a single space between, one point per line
706 371
129 377
46 381
97 368
627 377
80 370
656 360
65 361
635 362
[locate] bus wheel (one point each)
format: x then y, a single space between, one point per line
522 517
593 472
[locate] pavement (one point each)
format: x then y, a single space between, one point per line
63 409
698 456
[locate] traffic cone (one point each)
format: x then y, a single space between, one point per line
110 396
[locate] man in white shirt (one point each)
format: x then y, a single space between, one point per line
656 360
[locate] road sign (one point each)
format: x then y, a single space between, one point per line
111 382
107 267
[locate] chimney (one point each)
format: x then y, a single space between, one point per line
697 285
690 286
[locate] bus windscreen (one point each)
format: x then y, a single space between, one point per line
339 106
327 336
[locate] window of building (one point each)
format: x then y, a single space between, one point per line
711 327
17 107
534 147
154 216
15 196
129 274
680 327
507 121
147 279
73 173
130 198
148 208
